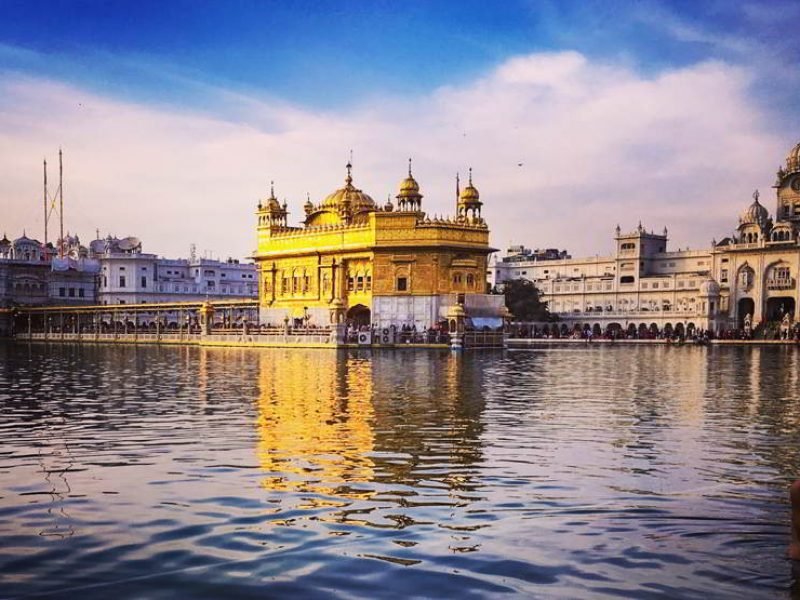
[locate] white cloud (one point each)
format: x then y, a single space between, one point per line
598 144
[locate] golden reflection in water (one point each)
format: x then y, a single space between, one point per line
315 416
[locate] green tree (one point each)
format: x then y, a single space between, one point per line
522 299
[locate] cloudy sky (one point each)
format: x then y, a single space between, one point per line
575 116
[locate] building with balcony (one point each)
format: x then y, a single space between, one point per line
748 280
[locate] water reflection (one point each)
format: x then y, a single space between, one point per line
564 473
315 423
387 440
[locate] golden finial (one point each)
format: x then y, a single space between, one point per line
271 189
349 179
470 175
409 167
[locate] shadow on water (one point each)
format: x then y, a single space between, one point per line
156 471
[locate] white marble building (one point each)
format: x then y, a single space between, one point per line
130 276
750 276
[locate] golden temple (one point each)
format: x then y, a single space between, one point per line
352 261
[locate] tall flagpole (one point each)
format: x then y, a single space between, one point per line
61 203
45 204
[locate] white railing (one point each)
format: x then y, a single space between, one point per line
630 314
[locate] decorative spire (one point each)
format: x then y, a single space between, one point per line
458 187
470 176
756 195
349 179
409 167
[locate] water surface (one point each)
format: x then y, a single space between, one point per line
575 472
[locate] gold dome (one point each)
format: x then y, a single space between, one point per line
470 193
271 203
409 184
409 188
349 196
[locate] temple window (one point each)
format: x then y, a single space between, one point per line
369 282
457 278
326 283
351 283
306 283
782 273
402 284
470 280
360 283
745 278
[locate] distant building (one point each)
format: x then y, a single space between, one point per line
32 274
748 279
130 276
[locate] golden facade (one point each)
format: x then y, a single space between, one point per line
352 260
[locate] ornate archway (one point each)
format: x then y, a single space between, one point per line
745 306
359 315
780 306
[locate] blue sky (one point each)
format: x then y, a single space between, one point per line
282 68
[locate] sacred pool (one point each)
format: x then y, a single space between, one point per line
566 472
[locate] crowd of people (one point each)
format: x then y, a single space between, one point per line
678 334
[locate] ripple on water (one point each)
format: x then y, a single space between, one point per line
606 472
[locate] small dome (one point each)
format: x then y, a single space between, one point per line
709 288
755 213
793 159
409 185
271 204
26 240
409 188
469 195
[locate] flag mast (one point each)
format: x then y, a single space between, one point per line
45 204
61 204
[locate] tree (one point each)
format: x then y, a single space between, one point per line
522 299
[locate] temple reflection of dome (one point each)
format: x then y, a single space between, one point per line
314 423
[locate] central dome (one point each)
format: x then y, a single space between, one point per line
349 197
